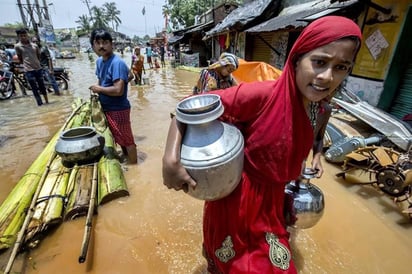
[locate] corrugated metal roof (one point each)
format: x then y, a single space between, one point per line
174 39
186 33
200 27
241 16
298 16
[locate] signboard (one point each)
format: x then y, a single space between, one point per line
191 60
376 43
46 32
380 33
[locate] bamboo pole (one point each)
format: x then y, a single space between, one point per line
112 183
50 204
89 219
29 215
14 208
78 196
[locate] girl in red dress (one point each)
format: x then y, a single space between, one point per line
245 232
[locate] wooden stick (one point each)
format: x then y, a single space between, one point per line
22 232
89 220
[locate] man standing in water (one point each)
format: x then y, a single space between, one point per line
149 54
29 55
112 73
46 63
162 55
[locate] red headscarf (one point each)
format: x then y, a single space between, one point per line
317 34
279 137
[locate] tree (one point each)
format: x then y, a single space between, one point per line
182 12
84 22
112 14
166 13
16 25
100 18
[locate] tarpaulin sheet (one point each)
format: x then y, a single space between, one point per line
255 71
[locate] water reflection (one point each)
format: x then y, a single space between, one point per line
156 230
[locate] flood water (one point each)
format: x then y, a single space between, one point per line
156 230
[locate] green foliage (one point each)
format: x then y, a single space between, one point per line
84 22
16 25
81 32
100 20
112 14
182 12
106 17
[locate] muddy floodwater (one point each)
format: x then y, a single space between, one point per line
156 230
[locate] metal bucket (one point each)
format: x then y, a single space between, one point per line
79 145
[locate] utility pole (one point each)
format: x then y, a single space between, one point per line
144 14
29 8
37 7
23 18
46 11
34 15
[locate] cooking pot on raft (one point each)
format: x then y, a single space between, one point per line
79 145
212 151
304 202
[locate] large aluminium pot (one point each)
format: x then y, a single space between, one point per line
79 145
212 151
304 202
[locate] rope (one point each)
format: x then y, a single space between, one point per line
45 198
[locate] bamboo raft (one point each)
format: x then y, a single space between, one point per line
50 193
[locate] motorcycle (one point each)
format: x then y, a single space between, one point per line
13 73
7 81
62 78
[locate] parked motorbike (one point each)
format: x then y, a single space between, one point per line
12 74
6 82
62 78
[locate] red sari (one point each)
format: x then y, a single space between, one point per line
245 232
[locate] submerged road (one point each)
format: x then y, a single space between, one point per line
156 230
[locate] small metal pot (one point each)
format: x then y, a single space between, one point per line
304 202
79 145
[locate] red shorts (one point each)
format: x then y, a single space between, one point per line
119 123
245 231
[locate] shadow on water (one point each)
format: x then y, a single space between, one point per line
156 230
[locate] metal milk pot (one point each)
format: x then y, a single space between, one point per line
79 145
212 151
304 202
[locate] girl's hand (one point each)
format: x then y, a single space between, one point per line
317 165
176 176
